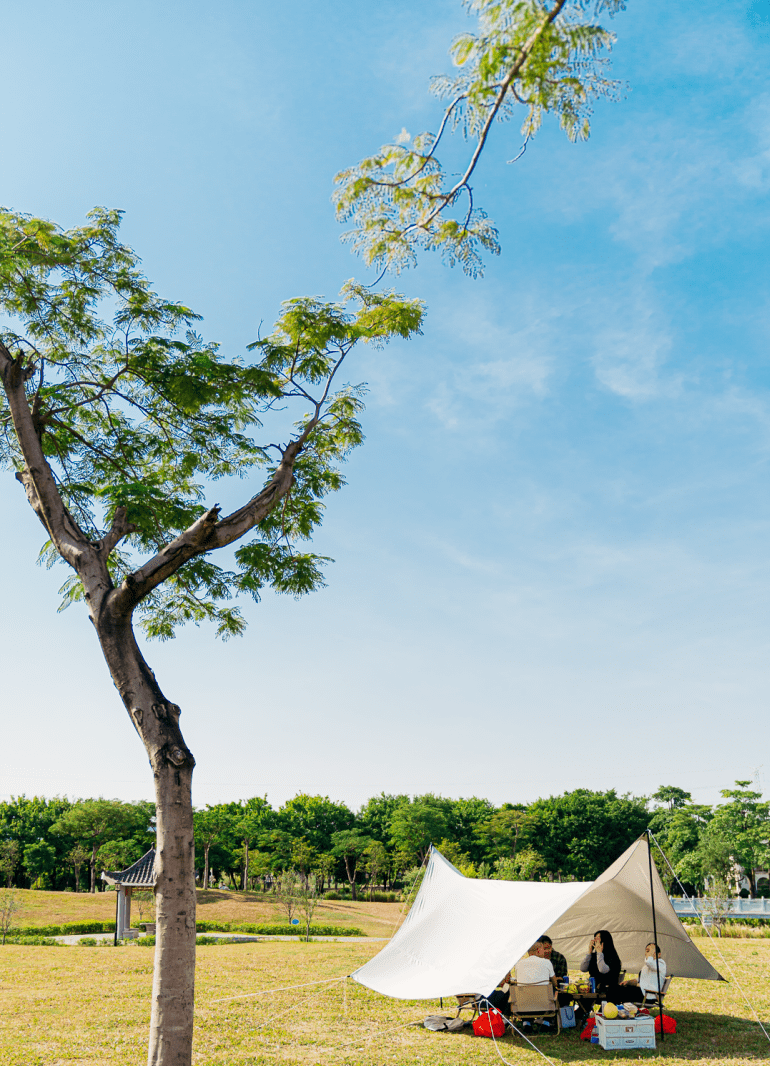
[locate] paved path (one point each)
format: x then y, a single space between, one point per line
241 938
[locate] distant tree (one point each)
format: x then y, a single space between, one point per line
304 858
287 892
314 819
578 834
9 858
351 845
376 815
10 906
93 822
740 828
28 820
77 856
210 826
414 826
459 858
673 796
499 834
465 816
307 897
40 862
679 831
375 862
255 815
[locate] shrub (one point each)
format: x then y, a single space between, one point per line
68 929
331 894
87 942
266 929
34 941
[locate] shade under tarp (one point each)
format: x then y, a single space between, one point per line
463 934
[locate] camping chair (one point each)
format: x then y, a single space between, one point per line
652 999
535 1003
468 1001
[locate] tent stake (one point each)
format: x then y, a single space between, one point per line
655 935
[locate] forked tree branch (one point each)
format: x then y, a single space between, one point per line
208 533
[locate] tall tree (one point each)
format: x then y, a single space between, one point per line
580 833
93 822
740 828
117 416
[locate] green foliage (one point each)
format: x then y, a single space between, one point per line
33 942
416 825
528 57
136 413
580 833
275 929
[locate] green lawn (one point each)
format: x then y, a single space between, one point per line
90 1006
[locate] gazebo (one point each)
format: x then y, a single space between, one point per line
140 875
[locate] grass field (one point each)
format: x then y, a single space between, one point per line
90 1006
56 908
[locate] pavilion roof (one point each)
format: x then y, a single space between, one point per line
140 875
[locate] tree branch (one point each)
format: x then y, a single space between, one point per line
208 533
37 476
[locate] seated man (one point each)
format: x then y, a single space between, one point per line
555 958
534 969
560 967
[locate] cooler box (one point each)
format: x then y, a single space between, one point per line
617 1033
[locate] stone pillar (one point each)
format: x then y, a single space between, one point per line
121 910
128 892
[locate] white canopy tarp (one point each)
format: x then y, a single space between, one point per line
463 934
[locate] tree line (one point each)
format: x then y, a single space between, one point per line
62 844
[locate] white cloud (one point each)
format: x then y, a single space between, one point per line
631 351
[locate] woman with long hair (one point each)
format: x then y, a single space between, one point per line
603 964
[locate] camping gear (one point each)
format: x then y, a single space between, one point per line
489 1023
530 1003
463 933
567 1016
439 1023
669 1024
590 1026
625 1032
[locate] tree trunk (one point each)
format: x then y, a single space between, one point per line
94 850
157 722
245 865
351 880
206 865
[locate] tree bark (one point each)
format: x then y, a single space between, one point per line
157 722
94 850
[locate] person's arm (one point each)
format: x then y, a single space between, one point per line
600 963
585 963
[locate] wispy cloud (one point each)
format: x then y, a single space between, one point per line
631 349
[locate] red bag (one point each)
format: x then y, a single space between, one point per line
489 1023
669 1024
586 1034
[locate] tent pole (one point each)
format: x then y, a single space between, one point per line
655 934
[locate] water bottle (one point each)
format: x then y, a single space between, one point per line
591 984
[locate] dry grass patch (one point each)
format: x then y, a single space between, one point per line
56 908
91 1006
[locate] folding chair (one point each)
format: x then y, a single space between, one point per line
535 1003
652 999
468 1001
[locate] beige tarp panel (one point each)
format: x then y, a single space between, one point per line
619 901
463 934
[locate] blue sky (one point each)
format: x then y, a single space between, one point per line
553 554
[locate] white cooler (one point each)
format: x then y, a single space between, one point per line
626 1032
